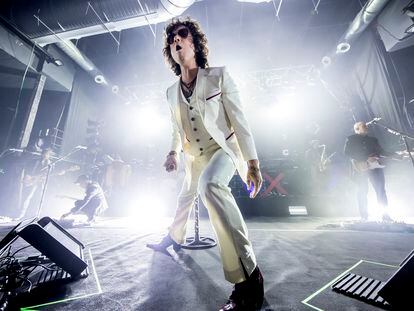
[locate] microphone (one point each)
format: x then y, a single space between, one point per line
373 121
81 147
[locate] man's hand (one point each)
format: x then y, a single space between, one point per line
171 164
254 178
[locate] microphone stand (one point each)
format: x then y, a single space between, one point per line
402 135
49 170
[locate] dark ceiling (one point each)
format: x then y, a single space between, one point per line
237 32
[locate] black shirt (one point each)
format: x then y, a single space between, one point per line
360 147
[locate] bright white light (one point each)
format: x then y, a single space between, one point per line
145 122
375 211
286 109
148 211
395 209
147 206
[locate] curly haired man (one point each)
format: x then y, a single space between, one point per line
210 128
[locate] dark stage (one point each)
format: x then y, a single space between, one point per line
300 257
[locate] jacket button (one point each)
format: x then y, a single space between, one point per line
191 107
192 119
201 149
197 140
195 129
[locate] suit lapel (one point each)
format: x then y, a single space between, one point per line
200 88
176 105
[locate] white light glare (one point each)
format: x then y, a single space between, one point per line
395 209
148 211
146 122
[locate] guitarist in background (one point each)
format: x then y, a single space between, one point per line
93 204
33 173
364 152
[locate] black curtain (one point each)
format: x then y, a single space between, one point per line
82 106
370 79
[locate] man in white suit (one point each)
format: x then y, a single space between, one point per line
209 126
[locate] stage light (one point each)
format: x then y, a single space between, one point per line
343 47
100 79
298 211
57 62
115 89
326 61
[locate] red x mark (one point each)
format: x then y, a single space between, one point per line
274 183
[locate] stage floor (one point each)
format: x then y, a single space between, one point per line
299 258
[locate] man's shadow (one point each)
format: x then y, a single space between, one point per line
210 296
177 277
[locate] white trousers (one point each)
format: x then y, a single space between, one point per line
210 176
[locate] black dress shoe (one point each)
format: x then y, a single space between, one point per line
247 295
166 242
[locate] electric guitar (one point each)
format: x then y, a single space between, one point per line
370 164
29 180
63 196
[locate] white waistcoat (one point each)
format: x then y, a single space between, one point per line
217 101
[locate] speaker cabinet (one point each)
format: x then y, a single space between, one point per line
398 289
53 241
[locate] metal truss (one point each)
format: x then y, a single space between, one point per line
286 77
291 77
277 6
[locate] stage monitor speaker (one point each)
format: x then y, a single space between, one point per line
53 241
399 288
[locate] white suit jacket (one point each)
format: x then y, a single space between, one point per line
217 99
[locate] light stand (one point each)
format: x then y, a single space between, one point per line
49 170
198 242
